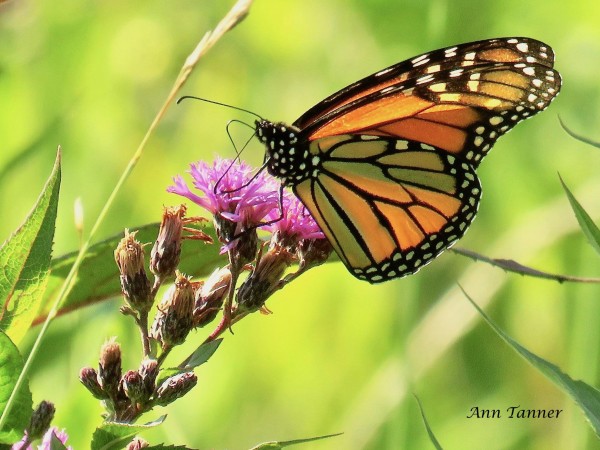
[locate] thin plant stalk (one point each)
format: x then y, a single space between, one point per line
235 15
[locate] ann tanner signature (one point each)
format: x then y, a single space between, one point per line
513 412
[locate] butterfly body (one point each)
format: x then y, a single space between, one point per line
288 156
386 166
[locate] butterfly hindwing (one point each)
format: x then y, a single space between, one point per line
389 206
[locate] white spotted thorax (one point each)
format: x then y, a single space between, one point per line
287 156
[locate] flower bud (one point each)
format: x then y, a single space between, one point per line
313 252
175 387
149 371
245 247
40 420
129 256
210 297
239 240
174 318
89 378
264 279
224 228
165 254
109 373
133 386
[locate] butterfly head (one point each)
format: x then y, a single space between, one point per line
286 152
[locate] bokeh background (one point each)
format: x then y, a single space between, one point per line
337 355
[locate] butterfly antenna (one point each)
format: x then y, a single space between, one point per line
238 153
218 103
236 159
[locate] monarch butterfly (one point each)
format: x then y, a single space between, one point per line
386 165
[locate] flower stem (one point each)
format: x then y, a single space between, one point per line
143 325
164 355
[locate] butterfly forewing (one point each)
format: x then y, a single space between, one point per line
462 111
470 55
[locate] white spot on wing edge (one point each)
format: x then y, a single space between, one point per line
419 60
529 71
384 71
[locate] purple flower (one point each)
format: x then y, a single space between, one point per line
296 224
230 191
46 441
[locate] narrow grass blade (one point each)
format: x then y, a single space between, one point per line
587 225
277 445
432 437
585 396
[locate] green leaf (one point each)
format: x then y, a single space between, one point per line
587 225
199 357
115 436
511 265
276 445
584 395
203 353
168 447
432 437
578 136
167 373
98 276
25 260
11 365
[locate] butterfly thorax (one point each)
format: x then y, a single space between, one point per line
287 156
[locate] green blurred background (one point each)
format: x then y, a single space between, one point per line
337 355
